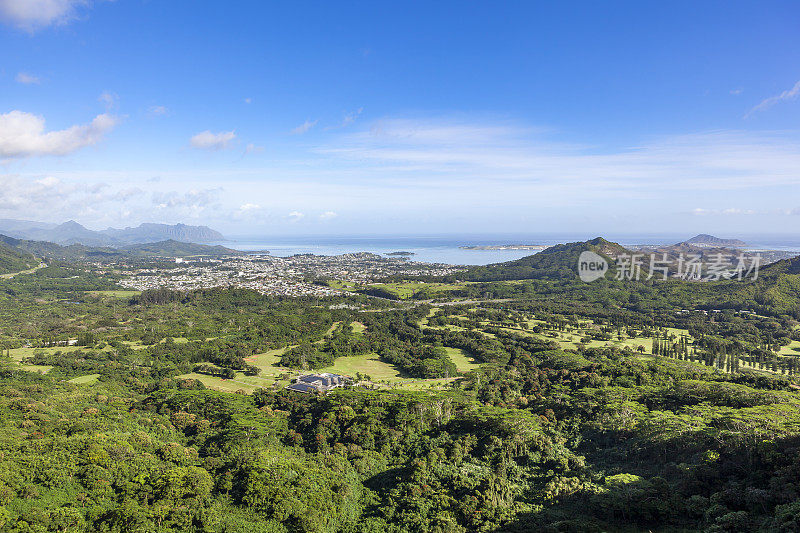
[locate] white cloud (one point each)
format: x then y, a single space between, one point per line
785 96
31 15
328 215
26 79
304 127
157 111
736 91
295 216
48 181
206 140
23 135
52 199
249 207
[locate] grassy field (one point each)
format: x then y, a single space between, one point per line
273 375
368 364
225 385
44 369
269 362
463 361
407 289
571 339
18 354
343 285
85 380
792 348
115 294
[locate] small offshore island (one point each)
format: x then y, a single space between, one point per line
537 247
401 254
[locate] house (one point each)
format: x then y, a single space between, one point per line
317 382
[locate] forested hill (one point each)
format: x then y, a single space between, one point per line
784 266
556 262
12 260
79 252
776 290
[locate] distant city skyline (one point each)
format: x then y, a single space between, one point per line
376 118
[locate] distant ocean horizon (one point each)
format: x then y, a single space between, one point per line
447 248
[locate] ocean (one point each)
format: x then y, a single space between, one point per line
446 248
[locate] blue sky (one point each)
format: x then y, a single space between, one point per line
402 118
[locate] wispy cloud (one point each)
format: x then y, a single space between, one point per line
328 215
444 150
252 148
23 135
26 79
348 119
157 111
304 127
785 96
31 15
205 140
295 216
351 117
109 100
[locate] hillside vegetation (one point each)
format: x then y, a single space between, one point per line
556 262
12 260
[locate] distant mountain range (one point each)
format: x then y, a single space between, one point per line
19 253
73 233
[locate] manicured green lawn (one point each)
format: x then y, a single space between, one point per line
44 369
225 385
269 362
793 348
463 361
18 354
368 364
406 289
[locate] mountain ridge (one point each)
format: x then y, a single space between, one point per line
79 252
72 232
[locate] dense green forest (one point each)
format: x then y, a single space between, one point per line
536 405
